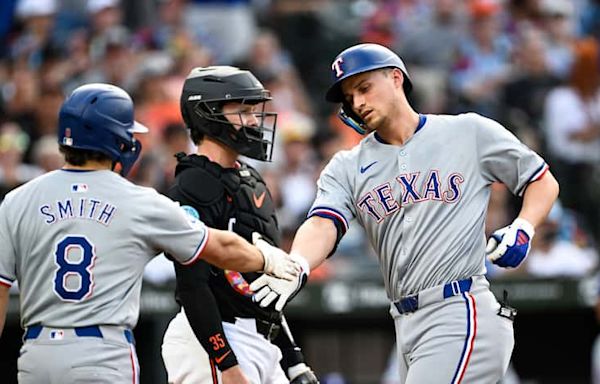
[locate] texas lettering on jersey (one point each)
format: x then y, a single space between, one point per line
411 188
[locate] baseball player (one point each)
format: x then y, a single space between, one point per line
419 185
77 240
220 329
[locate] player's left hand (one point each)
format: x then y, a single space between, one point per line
301 374
509 246
268 289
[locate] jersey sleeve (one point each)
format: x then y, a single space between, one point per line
334 199
193 283
176 230
8 273
504 158
202 312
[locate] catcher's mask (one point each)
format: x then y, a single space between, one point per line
207 90
99 117
359 59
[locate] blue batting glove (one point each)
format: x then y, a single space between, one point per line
509 246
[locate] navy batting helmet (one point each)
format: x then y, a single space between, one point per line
359 59
206 90
99 117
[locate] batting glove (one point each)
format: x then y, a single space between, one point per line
509 246
277 262
269 288
301 374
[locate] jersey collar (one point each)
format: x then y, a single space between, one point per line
422 121
82 170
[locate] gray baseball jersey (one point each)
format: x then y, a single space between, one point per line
423 204
78 241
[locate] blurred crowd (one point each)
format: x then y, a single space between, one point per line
533 65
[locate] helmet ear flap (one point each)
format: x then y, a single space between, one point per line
215 123
129 156
351 119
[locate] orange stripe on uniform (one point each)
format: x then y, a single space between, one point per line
213 372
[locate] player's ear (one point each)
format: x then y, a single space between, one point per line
398 77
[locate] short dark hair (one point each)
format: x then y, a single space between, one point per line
196 136
387 70
79 157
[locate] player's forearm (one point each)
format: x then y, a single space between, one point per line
539 198
204 317
315 239
227 250
4 297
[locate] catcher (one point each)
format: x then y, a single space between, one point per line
221 335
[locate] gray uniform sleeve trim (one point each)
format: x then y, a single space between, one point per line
199 250
6 281
538 174
331 214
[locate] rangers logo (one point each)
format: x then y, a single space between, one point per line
337 67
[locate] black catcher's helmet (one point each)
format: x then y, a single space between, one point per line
206 90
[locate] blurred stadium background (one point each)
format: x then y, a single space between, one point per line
533 65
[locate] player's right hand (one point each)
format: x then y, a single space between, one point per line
268 289
277 262
509 246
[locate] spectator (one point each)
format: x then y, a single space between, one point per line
155 107
13 172
106 18
113 57
274 68
46 155
20 91
590 19
43 118
429 48
161 35
37 18
559 25
432 41
227 27
297 177
524 95
381 26
482 67
572 122
554 256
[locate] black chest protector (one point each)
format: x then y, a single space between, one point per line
238 197
234 199
253 206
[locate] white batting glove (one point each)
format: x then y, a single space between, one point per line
277 262
509 246
268 288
